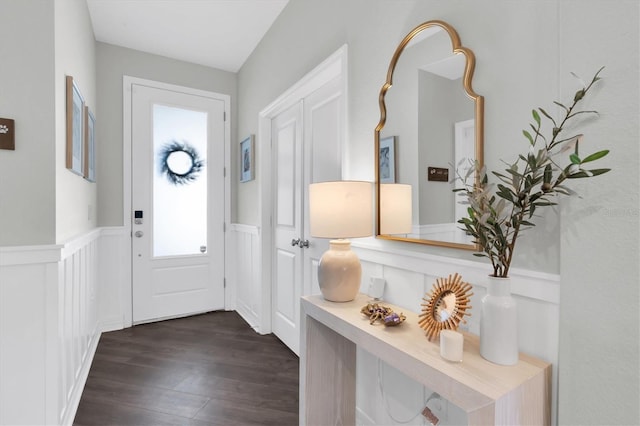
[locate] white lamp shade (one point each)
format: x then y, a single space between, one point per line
341 209
395 209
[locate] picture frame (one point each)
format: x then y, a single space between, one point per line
75 127
89 145
387 160
247 166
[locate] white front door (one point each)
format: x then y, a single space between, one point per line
177 202
307 147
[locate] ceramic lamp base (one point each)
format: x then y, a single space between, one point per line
339 272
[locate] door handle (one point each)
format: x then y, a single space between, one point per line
304 244
139 234
295 242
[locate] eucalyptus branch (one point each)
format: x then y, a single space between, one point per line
496 227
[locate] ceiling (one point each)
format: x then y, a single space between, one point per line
216 33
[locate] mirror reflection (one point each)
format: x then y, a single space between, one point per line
445 306
431 126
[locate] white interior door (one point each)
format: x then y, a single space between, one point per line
307 148
286 139
177 184
323 135
464 151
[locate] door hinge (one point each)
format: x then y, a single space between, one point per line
224 172
224 227
224 116
224 282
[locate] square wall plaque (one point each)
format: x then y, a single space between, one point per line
7 140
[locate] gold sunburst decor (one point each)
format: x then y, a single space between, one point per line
445 305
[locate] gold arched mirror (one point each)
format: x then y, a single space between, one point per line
431 126
446 305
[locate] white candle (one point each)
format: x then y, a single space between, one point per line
451 343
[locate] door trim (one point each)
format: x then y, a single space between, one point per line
332 67
127 82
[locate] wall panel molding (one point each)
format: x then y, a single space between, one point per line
410 274
48 328
242 272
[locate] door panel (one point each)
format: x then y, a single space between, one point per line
177 182
307 147
324 133
285 298
286 138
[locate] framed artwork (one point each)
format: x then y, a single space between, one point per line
246 160
387 160
89 145
75 125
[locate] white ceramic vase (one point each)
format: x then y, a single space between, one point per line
499 323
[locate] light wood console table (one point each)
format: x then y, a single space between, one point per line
488 393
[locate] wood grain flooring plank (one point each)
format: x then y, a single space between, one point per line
96 413
245 414
209 369
273 395
166 401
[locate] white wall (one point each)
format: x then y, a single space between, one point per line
113 63
525 51
75 56
27 185
599 367
42 202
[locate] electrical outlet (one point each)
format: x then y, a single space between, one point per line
376 288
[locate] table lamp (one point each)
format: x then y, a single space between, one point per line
395 209
340 210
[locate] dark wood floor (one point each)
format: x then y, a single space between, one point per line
209 369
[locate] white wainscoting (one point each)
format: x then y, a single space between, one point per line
409 275
48 329
114 280
243 272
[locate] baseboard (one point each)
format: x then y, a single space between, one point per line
74 401
111 324
249 316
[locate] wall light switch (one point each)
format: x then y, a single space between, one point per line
7 134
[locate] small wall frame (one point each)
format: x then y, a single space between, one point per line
89 145
387 159
247 167
75 127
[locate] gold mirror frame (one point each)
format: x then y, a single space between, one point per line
479 120
458 292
